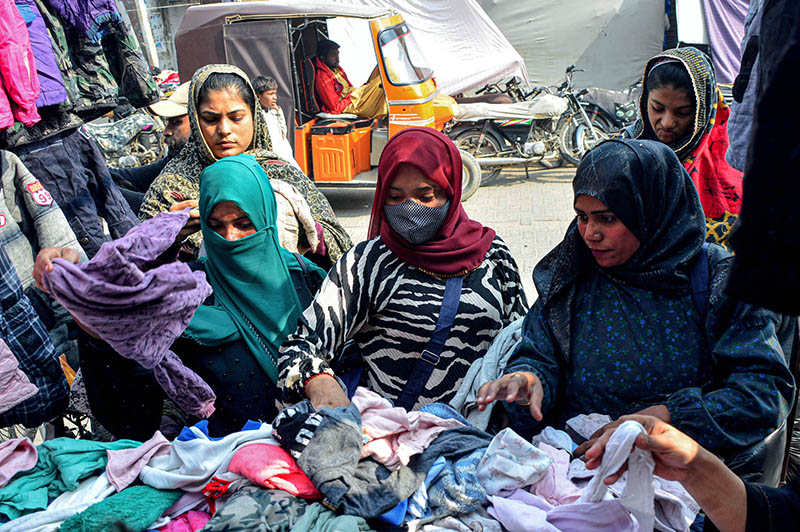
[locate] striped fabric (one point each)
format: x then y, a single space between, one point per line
389 309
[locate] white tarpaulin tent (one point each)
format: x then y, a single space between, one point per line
610 39
460 42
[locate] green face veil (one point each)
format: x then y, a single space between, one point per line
255 298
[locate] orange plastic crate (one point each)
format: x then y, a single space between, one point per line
334 157
362 142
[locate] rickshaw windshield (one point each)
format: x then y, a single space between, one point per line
402 56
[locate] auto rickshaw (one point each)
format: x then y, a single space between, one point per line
279 39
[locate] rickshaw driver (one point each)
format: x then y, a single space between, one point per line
335 93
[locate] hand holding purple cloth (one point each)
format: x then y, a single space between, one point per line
139 306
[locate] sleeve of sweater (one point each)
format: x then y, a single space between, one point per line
772 509
751 386
87 16
537 354
49 223
338 311
162 195
140 177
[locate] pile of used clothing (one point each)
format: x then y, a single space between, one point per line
368 466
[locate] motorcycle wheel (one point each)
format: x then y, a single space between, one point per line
467 141
575 141
470 175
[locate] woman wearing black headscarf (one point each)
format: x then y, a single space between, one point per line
618 327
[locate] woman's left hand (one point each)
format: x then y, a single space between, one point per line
44 262
658 411
192 224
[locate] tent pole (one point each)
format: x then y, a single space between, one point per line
147 32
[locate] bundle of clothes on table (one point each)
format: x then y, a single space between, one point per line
368 466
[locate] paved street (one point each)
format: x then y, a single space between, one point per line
531 215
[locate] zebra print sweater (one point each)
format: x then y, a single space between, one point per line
389 309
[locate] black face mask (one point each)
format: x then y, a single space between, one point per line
416 223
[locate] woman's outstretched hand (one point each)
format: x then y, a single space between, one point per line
673 451
324 392
44 262
718 491
522 387
192 224
660 412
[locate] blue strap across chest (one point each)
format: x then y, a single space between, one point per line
429 358
698 277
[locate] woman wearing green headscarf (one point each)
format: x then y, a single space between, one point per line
255 297
259 291
225 121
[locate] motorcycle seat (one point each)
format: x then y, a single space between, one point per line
543 106
485 98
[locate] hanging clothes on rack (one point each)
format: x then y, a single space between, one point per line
19 84
50 81
90 17
88 48
129 67
90 87
72 169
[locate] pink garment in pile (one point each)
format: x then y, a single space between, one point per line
191 521
524 512
555 487
16 455
125 465
273 468
15 386
394 434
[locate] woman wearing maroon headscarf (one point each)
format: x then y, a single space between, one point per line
426 260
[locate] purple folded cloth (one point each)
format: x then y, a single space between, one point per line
139 306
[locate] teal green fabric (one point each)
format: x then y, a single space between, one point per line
254 296
63 463
317 518
135 509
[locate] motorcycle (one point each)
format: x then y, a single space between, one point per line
615 110
609 111
131 141
529 130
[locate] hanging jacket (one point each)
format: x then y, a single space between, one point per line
19 84
52 85
90 17
128 66
97 89
72 168
29 217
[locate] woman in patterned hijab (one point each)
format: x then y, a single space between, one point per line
217 93
682 107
